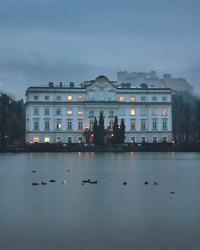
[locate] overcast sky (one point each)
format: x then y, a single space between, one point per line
76 40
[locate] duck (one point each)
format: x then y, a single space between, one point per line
146 183
86 181
64 181
172 192
93 182
124 183
52 180
43 183
155 183
33 171
35 183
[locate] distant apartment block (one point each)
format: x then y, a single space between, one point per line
58 113
151 78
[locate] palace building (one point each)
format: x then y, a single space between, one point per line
65 113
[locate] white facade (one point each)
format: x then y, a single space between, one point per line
62 114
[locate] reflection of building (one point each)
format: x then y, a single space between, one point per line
65 114
135 79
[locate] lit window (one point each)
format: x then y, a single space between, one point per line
36 139
154 111
80 98
80 139
80 113
132 139
164 111
69 98
122 98
133 111
132 98
46 139
69 112
58 125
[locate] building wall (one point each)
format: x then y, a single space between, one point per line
141 110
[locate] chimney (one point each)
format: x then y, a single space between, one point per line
71 84
50 84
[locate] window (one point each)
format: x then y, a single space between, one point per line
164 125
58 139
80 98
35 97
46 139
111 123
46 97
80 113
80 139
36 125
69 98
58 97
58 125
154 98
132 98
164 111
164 139
133 111
111 112
46 125
36 111
154 111
122 111
132 139
36 139
58 111
46 111
80 125
154 139
122 98
69 125
102 111
143 125
164 98
143 139
69 140
142 111
69 112
142 98
132 125
91 124
91 111
154 125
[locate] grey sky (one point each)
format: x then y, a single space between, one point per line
75 40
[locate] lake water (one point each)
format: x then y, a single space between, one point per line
105 216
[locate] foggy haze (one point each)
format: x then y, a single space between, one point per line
74 40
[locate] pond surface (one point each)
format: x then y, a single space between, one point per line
103 216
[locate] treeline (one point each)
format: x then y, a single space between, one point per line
186 118
12 121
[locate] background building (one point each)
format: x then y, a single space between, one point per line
63 113
136 78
